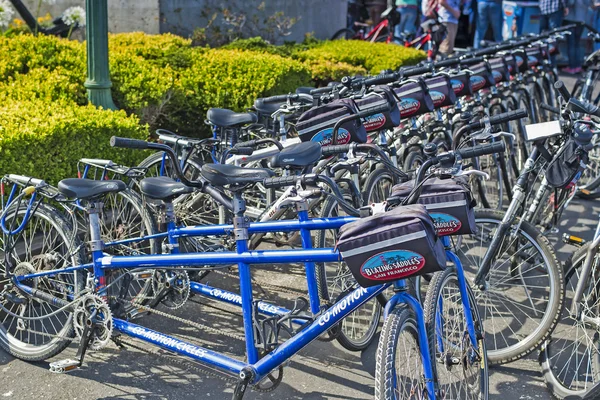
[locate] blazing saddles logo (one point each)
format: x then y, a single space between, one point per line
408 107
391 265
437 97
325 137
374 122
445 224
457 86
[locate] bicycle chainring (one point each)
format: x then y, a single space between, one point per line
93 309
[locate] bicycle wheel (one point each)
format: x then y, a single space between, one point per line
126 216
570 360
399 367
196 208
413 160
334 280
523 292
378 186
343 34
47 243
461 368
590 179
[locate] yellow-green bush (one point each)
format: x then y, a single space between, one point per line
374 57
46 139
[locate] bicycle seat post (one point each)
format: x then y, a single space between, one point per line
96 243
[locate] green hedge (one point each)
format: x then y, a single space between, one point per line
46 139
160 80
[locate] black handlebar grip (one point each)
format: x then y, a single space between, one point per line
477 151
282 98
508 116
413 71
249 143
280 181
583 107
128 143
373 110
562 90
381 79
335 149
326 89
472 60
449 62
242 151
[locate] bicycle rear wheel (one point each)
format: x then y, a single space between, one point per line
33 329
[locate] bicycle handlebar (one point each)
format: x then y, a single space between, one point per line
562 90
305 98
498 119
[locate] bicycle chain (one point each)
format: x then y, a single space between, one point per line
184 321
262 285
186 365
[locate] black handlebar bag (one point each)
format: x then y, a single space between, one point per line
500 69
521 59
413 99
461 84
449 202
317 124
397 244
534 55
481 77
441 91
567 166
387 120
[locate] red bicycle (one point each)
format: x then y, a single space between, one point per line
433 33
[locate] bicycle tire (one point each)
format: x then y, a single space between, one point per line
400 320
520 328
557 368
378 186
414 159
343 34
335 279
19 345
449 383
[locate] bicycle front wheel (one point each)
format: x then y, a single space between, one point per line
334 280
523 292
461 367
570 361
399 368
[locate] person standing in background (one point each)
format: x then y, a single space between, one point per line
376 8
552 13
408 10
449 12
489 12
578 12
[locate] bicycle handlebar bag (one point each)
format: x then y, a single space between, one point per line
461 84
397 244
441 91
317 123
499 69
482 76
413 99
449 202
380 95
521 59
534 55
511 62
566 167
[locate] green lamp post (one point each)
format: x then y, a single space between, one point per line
98 82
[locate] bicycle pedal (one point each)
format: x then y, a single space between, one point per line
62 366
574 240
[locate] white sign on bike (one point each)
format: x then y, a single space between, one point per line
543 130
